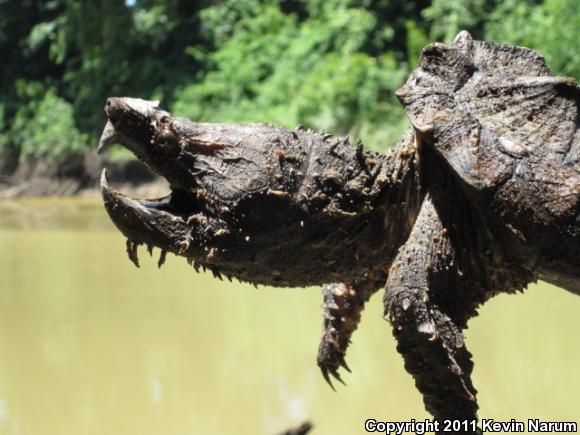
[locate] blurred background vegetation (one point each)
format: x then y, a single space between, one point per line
327 64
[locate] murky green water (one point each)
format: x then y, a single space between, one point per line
91 345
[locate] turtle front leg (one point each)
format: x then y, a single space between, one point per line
422 300
434 351
342 305
449 265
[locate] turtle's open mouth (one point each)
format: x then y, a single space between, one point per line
217 174
164 222
161 222
178 205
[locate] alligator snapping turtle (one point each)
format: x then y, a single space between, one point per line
481 196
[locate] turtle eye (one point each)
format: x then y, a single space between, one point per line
165 120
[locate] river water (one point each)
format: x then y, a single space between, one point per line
91 345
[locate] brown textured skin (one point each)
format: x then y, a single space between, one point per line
482 197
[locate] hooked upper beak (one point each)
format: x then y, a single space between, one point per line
113 109
108 138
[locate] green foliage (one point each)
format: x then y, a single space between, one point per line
45 127
4 131
327 64
277 68
52 33
416 40
450 17
550 27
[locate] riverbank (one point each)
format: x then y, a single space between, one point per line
79 176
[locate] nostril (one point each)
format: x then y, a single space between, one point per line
112 110
110 103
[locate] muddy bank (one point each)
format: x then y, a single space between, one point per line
79 176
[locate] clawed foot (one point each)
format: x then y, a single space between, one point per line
331 357
343 304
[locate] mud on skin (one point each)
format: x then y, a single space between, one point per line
482 196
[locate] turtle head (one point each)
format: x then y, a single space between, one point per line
253 201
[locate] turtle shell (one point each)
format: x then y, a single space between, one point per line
508 129
486 105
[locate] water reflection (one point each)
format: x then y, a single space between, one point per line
91 345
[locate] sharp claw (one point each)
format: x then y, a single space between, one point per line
162 257
150 250
132 252
344 365
337 377
327 378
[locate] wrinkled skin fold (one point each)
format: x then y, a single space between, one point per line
481 197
